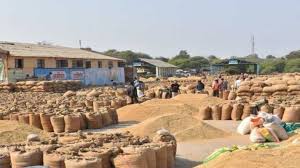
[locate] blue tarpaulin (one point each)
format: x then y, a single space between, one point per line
91 76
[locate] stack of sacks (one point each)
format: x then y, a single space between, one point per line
263 128
244 89
6 86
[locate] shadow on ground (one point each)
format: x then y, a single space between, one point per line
185 163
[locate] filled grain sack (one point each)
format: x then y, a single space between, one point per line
58 123
232 95
291 114
243 89
266 108
226 112
293 88
5 160
53 160
216 112
205 113
278 130
72 123
256 137
247 110
94 120
279 111
83 162
134 160
244 126
237 112
46 122
35 121
21 159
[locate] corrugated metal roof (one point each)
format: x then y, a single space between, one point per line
158 63
40 50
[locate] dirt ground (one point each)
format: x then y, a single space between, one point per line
14 132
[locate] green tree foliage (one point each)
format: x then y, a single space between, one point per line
292 65
213 59
270 57
274 65
128 55
163 59
293 55
183 60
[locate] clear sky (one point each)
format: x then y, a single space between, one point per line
157 27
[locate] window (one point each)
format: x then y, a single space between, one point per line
99 64
40 63
19 63
88 64
121 64
77 63
110 64
61 63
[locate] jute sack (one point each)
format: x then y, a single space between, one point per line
106 118
232 95
46 122
83 163
161 156
5 160
53 160
21 159
58 123
247 111
134 160
266 108
226 112
279 111
216 112
35 121
23 118
103 154
237 112
72 123
205 113
94 120
170 156
291 114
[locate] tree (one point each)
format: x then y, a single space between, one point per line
197 62
213 59
183 54
163 59
270 57
270 66
293 55
128 55
292 65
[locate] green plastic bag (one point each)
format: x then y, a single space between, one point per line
216 154
290 127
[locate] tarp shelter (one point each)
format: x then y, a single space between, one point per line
153 66
239 65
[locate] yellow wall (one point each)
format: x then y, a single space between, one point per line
30 63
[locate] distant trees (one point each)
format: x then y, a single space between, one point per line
288 63
128 55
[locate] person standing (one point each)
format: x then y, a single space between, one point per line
132 93
175 88
215 88
237 83
200 87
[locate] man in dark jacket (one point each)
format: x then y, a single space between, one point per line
175 88
132 93
200 86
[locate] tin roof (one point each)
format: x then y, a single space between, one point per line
158 63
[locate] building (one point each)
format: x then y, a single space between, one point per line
23 60
235 65
154 67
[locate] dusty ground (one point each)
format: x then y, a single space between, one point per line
14 132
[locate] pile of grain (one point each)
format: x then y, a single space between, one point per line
13 132
287 155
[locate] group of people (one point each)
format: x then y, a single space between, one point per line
135 90
219 85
